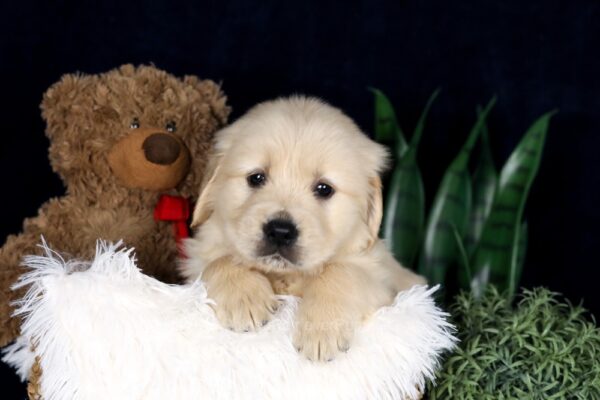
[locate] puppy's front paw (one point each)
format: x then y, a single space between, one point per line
244 305
321 339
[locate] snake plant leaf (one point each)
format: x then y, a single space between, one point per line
518 259
521 251
463 258
473 285
451 206
418 133
494 259
387 129
485 180
404 214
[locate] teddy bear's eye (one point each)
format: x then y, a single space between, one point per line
171 126
135 123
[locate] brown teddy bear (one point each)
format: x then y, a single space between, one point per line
130 146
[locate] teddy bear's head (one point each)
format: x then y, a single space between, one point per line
132 129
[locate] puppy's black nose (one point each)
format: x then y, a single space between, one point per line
280 232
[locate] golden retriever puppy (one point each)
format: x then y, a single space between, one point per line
292 205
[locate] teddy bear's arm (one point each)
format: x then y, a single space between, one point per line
11 255
52 223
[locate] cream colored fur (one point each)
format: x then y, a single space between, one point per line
342 271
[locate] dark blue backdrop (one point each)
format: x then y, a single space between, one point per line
535 55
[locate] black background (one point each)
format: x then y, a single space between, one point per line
536 55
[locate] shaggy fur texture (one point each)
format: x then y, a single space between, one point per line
86 116
334 259
107 331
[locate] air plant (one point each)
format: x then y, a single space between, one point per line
540 348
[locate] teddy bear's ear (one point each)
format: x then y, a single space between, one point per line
212 94
205 204
67 107
63 100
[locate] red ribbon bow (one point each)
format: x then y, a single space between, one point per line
175 209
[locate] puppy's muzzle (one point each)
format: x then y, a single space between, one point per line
280 233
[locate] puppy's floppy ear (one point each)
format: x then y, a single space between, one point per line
205 204
377 157
374 209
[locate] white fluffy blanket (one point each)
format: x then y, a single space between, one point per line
103 330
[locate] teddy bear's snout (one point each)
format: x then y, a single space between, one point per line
150 158
160 148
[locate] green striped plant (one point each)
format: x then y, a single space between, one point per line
404 213
497 256
485 180
450 210
476 219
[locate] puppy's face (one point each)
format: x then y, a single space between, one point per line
294 183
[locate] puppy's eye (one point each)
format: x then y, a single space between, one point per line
171 126
135 123
256 180
323 190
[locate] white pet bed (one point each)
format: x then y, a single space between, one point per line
103 330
